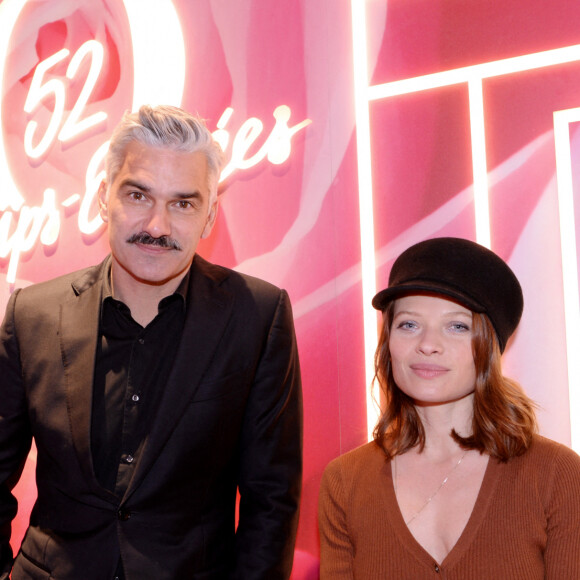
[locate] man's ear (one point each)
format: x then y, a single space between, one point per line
210 219
102 194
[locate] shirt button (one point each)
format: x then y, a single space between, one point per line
123 514
135 398
437 570
129 459
141 341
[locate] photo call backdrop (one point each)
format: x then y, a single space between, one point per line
352 129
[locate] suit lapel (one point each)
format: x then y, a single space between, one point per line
209 308
79 324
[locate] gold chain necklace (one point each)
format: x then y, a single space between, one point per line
428 500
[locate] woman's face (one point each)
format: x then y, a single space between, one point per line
431 353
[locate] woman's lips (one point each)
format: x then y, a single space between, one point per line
428 371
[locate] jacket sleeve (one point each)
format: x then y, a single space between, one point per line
270 469
562 554
15 435
336 549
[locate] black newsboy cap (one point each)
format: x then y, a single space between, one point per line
463 270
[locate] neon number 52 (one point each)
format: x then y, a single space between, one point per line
40 90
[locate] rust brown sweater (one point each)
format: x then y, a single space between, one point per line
525 524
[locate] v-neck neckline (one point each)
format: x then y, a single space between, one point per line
480 508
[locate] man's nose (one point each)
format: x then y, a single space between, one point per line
158 223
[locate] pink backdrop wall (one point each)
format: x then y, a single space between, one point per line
296 222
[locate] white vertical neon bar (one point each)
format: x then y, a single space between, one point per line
562 119
159 62
479 160
367 229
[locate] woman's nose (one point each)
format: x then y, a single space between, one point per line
429 341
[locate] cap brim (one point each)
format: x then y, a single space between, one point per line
387 295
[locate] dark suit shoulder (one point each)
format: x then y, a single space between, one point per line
236 281
76 281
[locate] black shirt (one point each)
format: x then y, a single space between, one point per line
131 369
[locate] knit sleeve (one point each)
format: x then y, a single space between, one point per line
336 549
562 555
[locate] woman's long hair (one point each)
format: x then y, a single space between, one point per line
504 418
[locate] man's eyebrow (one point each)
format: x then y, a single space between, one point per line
132 183
189 195
129 182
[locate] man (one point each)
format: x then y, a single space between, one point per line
155 386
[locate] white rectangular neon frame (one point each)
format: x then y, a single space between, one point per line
473 76
562 120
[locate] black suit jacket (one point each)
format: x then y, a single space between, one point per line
230 415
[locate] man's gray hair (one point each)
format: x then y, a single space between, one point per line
169 127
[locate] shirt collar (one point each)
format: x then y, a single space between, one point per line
181 290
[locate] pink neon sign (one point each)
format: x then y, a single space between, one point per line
51 93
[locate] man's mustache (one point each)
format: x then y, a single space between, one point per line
149 240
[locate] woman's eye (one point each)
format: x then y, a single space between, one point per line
459 327
407 325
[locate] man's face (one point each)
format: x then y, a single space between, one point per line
157 210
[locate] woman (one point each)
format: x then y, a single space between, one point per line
456 484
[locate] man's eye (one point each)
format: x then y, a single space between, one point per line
183 204
137 195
